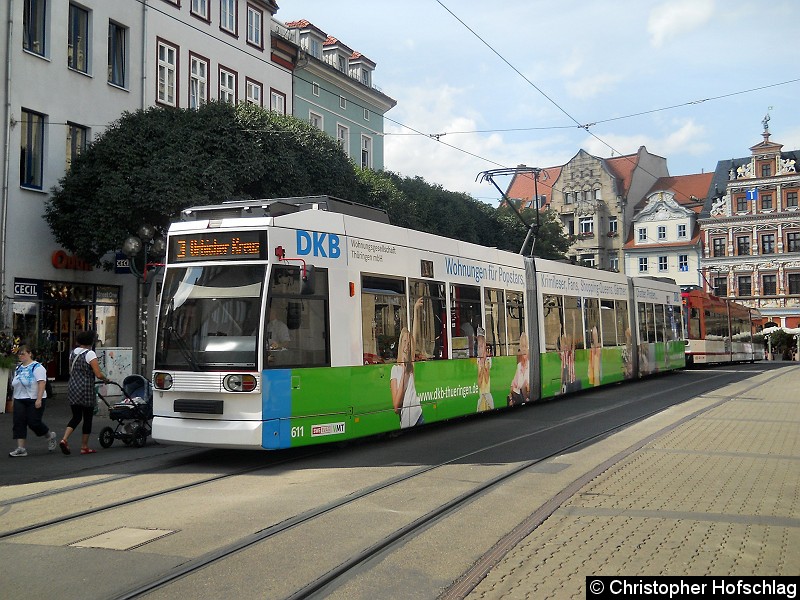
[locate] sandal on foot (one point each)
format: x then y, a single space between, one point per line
64 446
88 451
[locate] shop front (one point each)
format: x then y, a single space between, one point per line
51 313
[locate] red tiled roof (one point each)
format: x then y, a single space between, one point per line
622 168
522 185
688 189
305 24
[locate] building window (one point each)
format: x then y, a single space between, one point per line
588 260
769 285
766 170
315 120
743 245
766 201
227 86
117 53
683 262
598 195
227 16
277 101
200 9
313 47
254 92
78 39
719 247
167 73
342 137
794 283
721 286
586 226
642 264
34 14
315 89
198 81
365 77
613 262
642 234
77 137
342 102
662 263
741 204
791 199
681 231
366 152
745 285
255 25
31 162
612 225
662 232
366 114
793 242
768 243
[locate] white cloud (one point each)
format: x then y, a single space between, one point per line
677 17
593 85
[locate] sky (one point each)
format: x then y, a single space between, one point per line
533 82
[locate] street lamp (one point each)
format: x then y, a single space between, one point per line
145 246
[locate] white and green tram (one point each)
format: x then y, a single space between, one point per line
297 321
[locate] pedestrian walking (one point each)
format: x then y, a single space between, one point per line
28 385
83 370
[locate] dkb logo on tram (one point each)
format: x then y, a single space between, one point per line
325 245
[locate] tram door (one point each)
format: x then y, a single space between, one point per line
64 323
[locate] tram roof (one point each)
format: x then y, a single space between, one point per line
275 207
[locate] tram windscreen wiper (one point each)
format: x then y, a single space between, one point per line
171 333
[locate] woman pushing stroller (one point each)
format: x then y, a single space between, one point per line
83 369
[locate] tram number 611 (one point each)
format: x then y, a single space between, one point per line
298 431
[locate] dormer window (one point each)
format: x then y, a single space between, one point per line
341 63
365 77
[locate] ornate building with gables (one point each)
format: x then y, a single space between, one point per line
751 232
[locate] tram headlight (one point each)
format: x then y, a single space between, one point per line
162 381
239 383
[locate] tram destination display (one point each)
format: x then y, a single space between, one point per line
219 245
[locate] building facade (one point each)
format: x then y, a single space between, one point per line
664 240
751 232
334 91
595 199
69 69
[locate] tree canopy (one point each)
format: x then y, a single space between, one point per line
150 164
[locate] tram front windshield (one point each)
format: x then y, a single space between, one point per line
209 318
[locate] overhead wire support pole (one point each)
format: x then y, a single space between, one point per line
533 228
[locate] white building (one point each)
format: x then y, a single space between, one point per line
69 69
664 239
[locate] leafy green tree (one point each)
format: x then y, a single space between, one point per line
551 241
150 164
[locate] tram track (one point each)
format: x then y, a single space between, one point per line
336 575
320 586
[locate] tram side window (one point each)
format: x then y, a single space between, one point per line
515 318
495 319
431 331
660 322
591 312
608 322
553 307
671 321
623 323
641 311
297 329
383 317
573 325
694 324
651 322
465 318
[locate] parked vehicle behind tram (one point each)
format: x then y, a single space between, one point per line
302 321
718 330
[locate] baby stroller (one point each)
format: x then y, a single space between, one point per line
132 414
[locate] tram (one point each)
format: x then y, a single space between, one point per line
298 321
717 330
